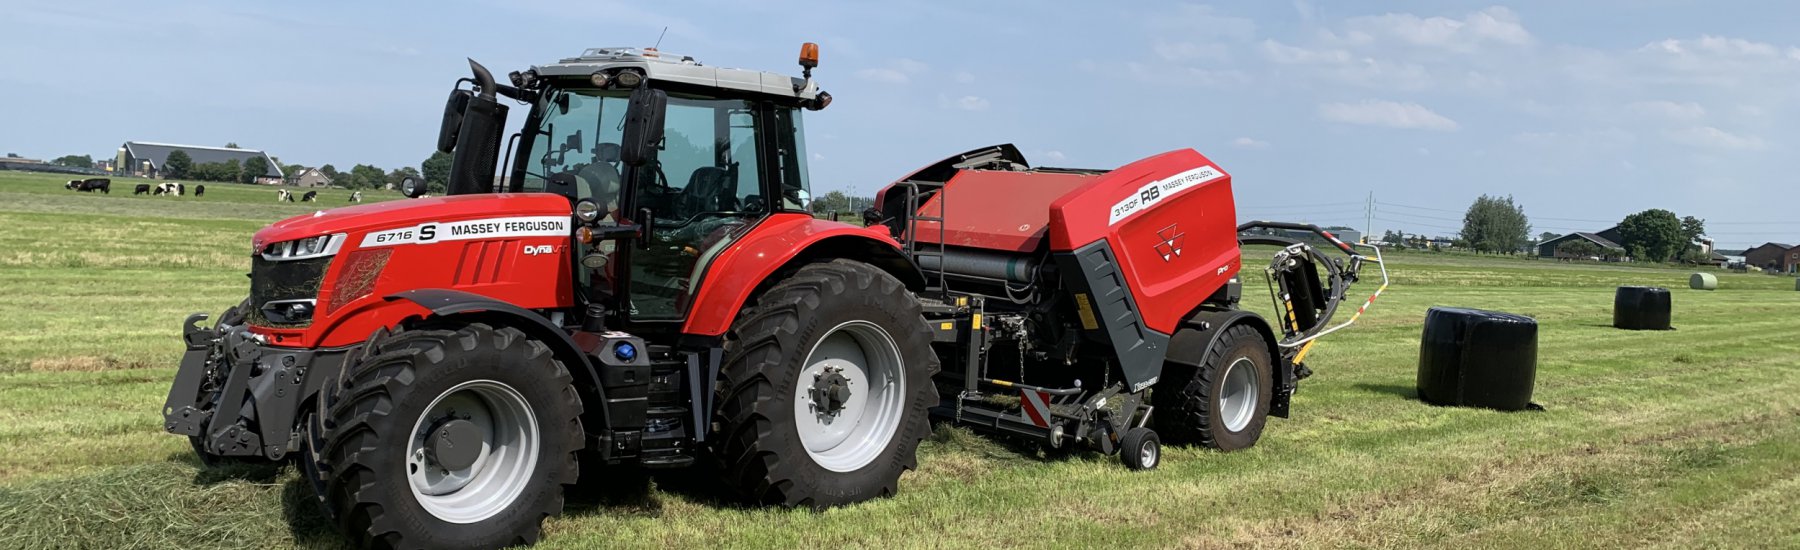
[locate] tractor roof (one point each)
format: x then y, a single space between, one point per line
684 69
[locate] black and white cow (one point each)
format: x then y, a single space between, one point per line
356 196
310 196
282 195
168 188
90 185
142 189
200 190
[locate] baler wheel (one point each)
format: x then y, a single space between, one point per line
1140 449
454 438
1223 404
826 388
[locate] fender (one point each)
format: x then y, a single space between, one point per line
782 241
447 303
1202 330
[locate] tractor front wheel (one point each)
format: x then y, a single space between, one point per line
455 438
826 388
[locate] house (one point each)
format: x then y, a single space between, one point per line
1552 247
309 177
145 159
1779 257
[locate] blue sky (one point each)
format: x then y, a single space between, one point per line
1582 111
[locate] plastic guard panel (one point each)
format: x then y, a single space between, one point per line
1172 229
1107 312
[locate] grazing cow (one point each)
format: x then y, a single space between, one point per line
142 189
180 188
310 196
90 185
283 195
200 190
356 196
167 188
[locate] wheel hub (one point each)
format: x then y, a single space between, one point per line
455 444
830 390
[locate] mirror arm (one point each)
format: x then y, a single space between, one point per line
647 221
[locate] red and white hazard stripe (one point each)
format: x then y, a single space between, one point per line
1037 407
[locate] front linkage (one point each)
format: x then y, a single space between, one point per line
234 396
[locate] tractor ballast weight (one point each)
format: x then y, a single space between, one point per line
439 366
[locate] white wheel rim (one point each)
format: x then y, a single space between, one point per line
851 437
501 470
1237 395
1147 456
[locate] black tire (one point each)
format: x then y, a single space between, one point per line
374 408
1140 449
1188 400
758 448
232 316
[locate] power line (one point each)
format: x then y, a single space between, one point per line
1421 216
1419 207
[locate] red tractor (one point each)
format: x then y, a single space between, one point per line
647 287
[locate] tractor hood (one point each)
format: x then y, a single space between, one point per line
364 218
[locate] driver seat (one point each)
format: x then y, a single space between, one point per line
708 190
601 176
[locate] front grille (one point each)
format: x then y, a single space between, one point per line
272 281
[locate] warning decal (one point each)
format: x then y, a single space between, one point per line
489 228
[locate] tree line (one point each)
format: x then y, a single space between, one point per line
1498 225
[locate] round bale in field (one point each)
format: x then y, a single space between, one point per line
1641 308
1703 281
1477 358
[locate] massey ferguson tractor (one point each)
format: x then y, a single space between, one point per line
646 287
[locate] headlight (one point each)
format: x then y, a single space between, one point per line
301 249
587 211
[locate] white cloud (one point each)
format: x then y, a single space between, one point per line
898 71
963 77
1716 46
1714 138
1668 109
885 76
1411 116
1250 143
1494 25
1190 51
970 103
1339 65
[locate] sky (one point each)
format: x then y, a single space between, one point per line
1583 112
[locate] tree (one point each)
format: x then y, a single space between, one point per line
436 171
1545 236
329 171
73 161
1692 228
1393 238
363 176
177 165
1653 234
1581 248
1496 225
231 145
833 201
291 169
395 176
254 167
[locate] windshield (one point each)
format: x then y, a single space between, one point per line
579 134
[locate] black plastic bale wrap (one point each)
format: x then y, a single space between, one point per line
1476 358
1641 308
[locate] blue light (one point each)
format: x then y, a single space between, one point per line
625 351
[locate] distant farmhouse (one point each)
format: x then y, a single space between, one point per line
145 159
1778 257
1607 239
309 177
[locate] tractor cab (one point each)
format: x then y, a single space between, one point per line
675 155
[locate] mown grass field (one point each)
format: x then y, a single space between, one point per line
1677 439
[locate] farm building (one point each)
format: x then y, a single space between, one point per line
1780 257
145 159
1552 247
309 177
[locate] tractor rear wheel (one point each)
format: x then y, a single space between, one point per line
452 438
1224 403
826 388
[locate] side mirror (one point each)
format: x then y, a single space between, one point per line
573 143
561 182
643 133
453 116
412 187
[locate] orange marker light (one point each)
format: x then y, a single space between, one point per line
809 55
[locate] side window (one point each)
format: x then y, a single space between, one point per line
796 191
743 158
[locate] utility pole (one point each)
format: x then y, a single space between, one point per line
1369 219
